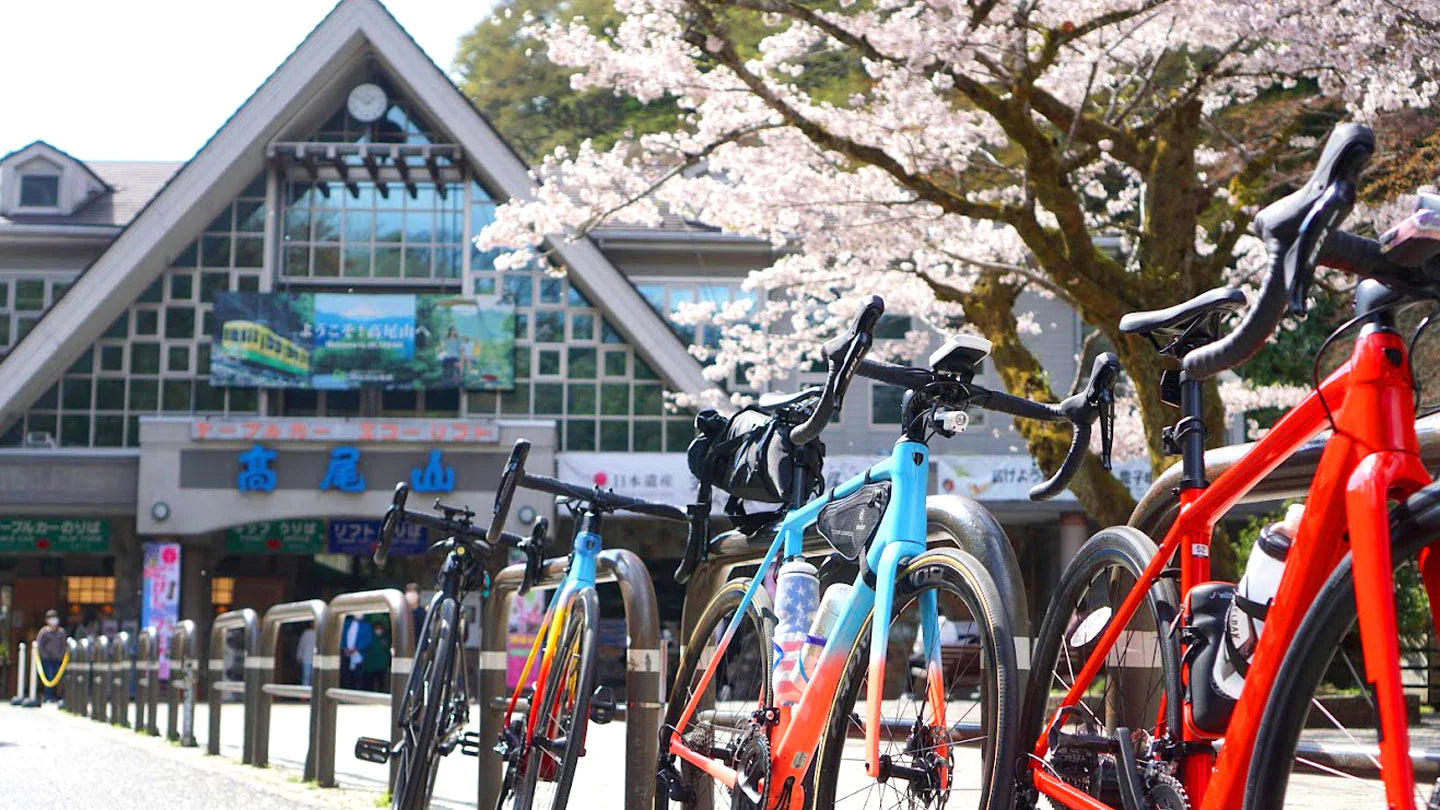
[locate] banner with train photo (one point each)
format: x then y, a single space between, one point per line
337 341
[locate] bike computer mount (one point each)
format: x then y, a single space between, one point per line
960 356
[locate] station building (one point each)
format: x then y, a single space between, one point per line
357 169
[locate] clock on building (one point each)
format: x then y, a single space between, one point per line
367 102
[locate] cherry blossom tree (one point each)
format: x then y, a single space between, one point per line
952 154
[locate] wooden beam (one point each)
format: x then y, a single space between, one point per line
435 177
372 166
404 169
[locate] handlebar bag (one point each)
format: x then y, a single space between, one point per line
750 457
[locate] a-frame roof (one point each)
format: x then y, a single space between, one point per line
354 31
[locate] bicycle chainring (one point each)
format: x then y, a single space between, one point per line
1165 792
752 765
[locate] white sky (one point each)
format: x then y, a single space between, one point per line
153 79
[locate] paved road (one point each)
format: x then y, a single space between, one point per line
95 761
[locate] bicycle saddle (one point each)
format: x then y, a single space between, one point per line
777 401
1202 313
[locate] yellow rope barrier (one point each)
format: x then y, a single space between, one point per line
59 673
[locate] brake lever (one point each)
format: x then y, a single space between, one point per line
534 555
1107 427
1314 232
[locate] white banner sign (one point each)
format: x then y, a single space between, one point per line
1010 477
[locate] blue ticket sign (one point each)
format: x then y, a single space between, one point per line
358 538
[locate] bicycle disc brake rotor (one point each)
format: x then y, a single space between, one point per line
922 749
752 765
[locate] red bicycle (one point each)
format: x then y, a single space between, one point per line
1123 706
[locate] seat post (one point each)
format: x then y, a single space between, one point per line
1190 433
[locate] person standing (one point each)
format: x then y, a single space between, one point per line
377 659
50 644
305 654
354 641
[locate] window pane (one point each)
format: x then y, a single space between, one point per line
648 400
357 261
177 395
582 326
75 430
885 403
153 293
178 359
249 252
245 400
388 226
112 358
208 398
359 226
615 365
250 216
297 224
109 431
147 321
549 361
548 398
550 327
182 286
144 395
615 399
180 322
582 399
297 260
40 190
29 294
614 435
647 437
417 262
76 396
580 434
327 261
550 288
144 358
109 394
211 283
215 251
582 364
387 262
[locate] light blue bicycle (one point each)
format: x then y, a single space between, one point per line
862 730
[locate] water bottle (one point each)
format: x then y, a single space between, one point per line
1246 617
831 606
797 595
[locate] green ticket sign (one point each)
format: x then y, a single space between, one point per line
277 537
54 536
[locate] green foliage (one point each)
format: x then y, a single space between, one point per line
530 101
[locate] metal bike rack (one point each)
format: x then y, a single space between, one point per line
325 673
644 670
246 621
184 672
147 681
1157 509
120 670
100 678
77 688
312 611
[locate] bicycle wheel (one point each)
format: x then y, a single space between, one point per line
1139 679
564 711
740 686
426 692
981 688
1319 733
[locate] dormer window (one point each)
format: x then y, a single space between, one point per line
39 190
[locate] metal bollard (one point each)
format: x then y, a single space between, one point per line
247 622
147 682
20 675
120 670
326 674
80 690
645 664
308 611
183 666
100 679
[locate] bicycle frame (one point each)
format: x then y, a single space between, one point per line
579 576
1372 458
900 536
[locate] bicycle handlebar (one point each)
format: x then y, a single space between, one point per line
397 515
1097 401
1296 229
844 353
603 499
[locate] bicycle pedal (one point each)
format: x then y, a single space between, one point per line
668 783
602 705
470 744
373 750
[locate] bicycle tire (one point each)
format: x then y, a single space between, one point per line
569 683
758 629
1414 525
1122 549
429 681
962 575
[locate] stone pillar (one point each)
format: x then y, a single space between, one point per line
197 559
129 551
1074 531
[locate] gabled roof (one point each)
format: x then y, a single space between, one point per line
132 184
349 34
40 147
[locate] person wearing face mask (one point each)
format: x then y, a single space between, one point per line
50 642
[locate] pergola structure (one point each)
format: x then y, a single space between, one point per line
325 162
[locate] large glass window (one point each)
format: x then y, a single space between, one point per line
373 231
